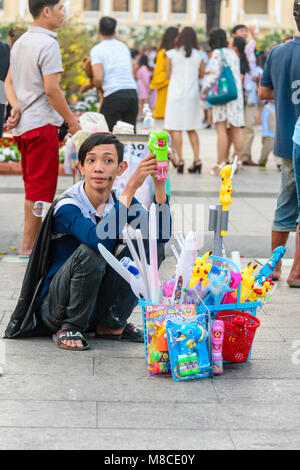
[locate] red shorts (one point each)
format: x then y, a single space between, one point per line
40 162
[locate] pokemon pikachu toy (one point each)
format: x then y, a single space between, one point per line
201 270
261 292
247 281
226 190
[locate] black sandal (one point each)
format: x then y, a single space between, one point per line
71 335
131 333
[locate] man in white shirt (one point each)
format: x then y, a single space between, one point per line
112 70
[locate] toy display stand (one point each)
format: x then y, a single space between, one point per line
208 311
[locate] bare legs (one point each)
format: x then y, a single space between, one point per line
194 141
177 143
32 226
236 136
279 239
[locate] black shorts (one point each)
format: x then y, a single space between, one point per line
123 105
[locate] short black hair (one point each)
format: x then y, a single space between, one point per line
217 39
107 26
100 138
297 13
237 27
36 6
144 60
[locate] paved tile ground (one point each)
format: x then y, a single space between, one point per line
103 398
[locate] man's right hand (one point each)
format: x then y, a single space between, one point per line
74 127
13 119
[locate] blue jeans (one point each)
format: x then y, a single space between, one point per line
87 291
287 212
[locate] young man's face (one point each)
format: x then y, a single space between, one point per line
101 167
242 33
55 15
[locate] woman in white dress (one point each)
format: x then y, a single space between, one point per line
231 115
183 110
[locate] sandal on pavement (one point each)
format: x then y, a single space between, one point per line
133 334
294 285
69 334
130 333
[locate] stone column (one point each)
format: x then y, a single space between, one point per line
106 7
136 10
194 10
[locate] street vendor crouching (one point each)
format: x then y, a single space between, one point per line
68 288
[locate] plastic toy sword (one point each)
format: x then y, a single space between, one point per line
155 284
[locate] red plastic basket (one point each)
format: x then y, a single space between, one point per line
240 329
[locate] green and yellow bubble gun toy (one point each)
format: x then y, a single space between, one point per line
158 145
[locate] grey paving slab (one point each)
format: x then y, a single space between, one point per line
107 388
186 416
265 440
258 391
112 439
61 363
18 413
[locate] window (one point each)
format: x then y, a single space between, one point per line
121 5
179 6
1 4
256 7
91 5
150 6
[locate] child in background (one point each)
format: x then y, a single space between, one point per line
144 75
268 133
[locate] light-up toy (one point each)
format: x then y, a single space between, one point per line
158 145
217 338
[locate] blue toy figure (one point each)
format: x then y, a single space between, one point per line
268 269
188 349
218 281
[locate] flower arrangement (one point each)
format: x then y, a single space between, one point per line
9 151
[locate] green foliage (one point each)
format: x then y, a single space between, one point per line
271 40
76 41
151 35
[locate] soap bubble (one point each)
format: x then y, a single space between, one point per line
40 208
72 394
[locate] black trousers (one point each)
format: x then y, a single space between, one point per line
86 291
123 105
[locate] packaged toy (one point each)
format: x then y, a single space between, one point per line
190 347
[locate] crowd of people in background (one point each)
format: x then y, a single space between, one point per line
174 80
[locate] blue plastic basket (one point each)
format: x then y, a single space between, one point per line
246 307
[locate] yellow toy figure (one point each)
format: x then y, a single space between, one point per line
226 190
260 292
201 270
247 281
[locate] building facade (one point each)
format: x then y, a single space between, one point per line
270 14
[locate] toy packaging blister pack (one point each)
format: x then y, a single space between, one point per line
156 345
189 341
